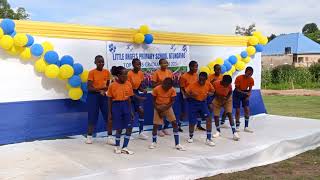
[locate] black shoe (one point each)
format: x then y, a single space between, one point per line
180 130
201 128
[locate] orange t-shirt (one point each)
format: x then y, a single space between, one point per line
135 78
221 90
163 97
243 83
120 92
200 92
99 78
212 78
159 75
186 79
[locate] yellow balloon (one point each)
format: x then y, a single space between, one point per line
228 73
20 39
144 29
211 64
263 40
52 71
238 57
84 76
40 66
240 65
75 93
253 40
205 69
1 33
68 86
138 38
247 59
47 46
26 54
219 61
257 34
251 50
233 69
66 71
15 50
6 42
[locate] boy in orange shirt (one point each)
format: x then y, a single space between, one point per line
163 99
136 77
120 112
186 79
157 78
241 95
197 93
223 91
98 82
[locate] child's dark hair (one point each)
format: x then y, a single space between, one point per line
227 79
168 81
162 59
192 63
116 70
135 60
97 57
216 66
203 74
249 68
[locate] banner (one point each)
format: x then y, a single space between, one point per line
121 54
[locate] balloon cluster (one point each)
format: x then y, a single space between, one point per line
47 60
143 36
238 62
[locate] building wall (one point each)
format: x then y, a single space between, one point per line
276 60
306 60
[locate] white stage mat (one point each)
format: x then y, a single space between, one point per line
275 138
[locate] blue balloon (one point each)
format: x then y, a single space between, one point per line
13 34
84 97
259 48
227 65
36 50
75 81
8 26
233 59
223 69
84 87
78 69
30 41
51 57
148 38
67 60
58 63
244 54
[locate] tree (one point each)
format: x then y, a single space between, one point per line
243 31
272 36
310 28
7 12
314 36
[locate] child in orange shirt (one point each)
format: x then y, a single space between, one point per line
120 93
241 95
197 93
98 82
163 99
186 79
157 78
223 91
136 77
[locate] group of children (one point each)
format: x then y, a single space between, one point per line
202 97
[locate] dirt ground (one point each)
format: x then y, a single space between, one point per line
294 92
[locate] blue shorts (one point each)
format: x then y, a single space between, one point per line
121 115
239 98
136 104
197 109
183 104
210 99
96 102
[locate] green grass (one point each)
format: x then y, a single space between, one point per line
298 106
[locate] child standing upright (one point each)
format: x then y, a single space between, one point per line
120 93
136 77
223 91
241 95
98 83
197 93
163 99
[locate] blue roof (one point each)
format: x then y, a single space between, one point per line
299 43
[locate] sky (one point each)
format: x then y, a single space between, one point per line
194 16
